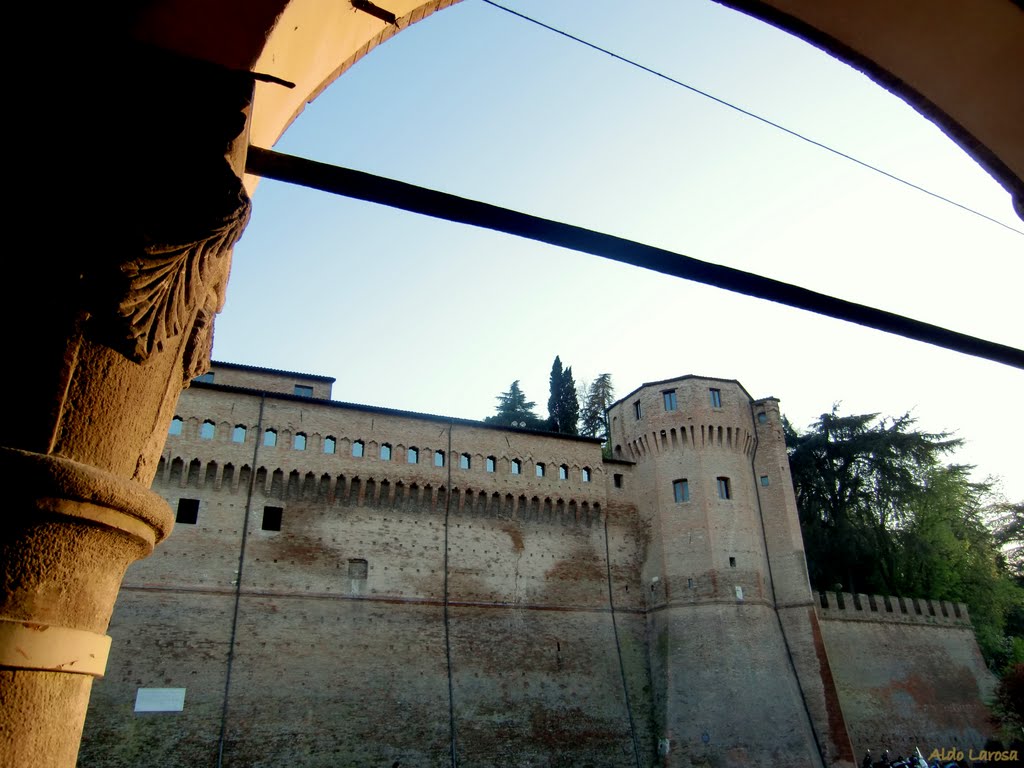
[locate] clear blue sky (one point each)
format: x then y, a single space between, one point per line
418 314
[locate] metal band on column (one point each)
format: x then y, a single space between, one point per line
35 646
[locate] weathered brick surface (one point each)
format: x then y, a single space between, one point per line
339 649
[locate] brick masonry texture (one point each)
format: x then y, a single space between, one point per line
592 618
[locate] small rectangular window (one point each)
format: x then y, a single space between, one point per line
563 472
517 467
175 428
330 445
385 452
206 378
669 397
638 410
412 455
539 469
270 438
303 391
585 474
272 518
464 461
716 398
207 430
492 464
764 480
617 480
732 562
724 492
357 448
188 511
358 568
299 442
438 458
681 490
238 434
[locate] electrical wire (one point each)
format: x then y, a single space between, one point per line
748 113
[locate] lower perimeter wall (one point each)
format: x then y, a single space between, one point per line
909 673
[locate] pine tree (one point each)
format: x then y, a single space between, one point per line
514 410
597 396
563 406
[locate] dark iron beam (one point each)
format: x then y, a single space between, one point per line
408 197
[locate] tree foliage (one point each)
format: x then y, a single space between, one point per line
563 406
596 397
515 410
880 513
854 478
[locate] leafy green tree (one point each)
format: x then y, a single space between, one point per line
515 410
597 396
1008 522
563 406
855 477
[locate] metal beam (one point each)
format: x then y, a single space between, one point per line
429 202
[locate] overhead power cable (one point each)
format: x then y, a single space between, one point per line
748 113
441 205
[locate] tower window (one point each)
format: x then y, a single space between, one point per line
563 472
272 518
617 480
681 490
491 464
669 396
270 438
238 434
638 410
358 449
539 469
438 458
585 474
732 562
762 417
716 398
303 391
385 452
299 442
206 378
188 511
412 455
330 444
517 467
207 430
764 480
464 461
176 424
724 491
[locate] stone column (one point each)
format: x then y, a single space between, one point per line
136 201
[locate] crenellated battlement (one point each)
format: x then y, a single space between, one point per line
847 606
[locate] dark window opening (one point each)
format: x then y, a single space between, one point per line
358 569
638 411
272 518
681 490
188 511
724 492
617 480
732 562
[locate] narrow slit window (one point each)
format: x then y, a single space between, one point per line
716 398
617 480
638 410
724 491
272 518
